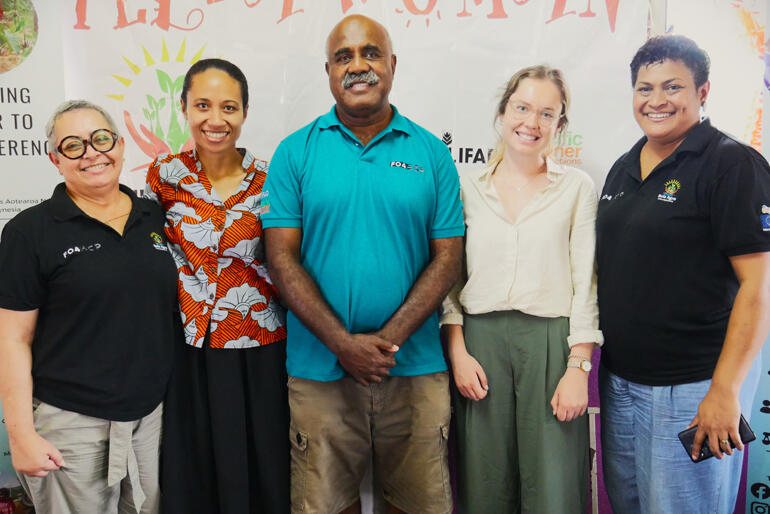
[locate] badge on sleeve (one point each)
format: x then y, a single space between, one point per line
765 218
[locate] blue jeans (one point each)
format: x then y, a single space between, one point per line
646 469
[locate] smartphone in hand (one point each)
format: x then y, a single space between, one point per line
688 438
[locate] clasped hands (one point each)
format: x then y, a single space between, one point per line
367 357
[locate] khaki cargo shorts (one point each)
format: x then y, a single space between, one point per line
336 427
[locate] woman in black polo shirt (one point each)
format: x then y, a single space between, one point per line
683 242
88 318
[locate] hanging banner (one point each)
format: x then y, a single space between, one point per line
453 59
31 85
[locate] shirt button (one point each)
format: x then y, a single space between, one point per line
211 297
214 248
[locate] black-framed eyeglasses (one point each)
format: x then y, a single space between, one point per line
74 147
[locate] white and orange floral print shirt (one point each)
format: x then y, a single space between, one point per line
219 253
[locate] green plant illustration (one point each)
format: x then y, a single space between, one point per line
176 133
18 32
152 114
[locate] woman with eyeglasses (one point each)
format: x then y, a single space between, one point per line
88 318
523 321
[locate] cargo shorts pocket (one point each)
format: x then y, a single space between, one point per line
299 464
445 479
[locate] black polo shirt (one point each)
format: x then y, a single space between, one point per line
108 315
666 285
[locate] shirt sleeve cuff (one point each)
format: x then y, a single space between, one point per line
585 336
282 223
13 304
442 233
451 318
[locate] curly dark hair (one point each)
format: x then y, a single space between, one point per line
674 48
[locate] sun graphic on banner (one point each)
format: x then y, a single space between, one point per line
166 130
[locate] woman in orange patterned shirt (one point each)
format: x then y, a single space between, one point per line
224 448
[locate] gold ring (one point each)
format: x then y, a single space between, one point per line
724 442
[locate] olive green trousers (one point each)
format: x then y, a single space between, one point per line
513 454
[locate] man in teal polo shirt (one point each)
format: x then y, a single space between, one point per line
363 226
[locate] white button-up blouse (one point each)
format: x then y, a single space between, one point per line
543 264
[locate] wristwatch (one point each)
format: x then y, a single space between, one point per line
583 364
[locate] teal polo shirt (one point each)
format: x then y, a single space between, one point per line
367 215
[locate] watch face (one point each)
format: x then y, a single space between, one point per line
586 366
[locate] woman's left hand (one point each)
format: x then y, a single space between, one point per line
570 399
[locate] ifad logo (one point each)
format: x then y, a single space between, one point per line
147 91
466 154
568 149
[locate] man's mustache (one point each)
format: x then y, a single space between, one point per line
367 77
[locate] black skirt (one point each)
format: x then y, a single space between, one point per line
225 446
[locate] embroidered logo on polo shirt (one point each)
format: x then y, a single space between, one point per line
264 206
610 197
670 188
765 218
81 248
399 164
157 242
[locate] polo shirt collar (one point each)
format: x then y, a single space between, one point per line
397 123
64 208
695 142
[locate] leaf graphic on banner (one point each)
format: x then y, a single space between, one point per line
178 83
167 130
164 80
154 109
177 136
